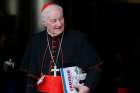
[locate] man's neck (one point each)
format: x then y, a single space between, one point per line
54 35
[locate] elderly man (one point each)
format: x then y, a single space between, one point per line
54 48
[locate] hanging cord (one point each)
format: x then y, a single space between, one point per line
48 46
60 45
42 63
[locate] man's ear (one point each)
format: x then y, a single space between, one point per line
43 23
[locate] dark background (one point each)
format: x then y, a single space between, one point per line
112 27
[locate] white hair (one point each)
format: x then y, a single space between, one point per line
44 14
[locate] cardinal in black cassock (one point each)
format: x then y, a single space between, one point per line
48 48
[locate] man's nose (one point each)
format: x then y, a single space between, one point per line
58 23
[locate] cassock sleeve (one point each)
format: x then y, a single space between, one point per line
90 65
26 57
30 85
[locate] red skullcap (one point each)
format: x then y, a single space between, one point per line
45 6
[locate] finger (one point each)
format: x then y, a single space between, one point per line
82 84
75 85
78 85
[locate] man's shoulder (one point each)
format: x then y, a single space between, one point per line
75 33
38 35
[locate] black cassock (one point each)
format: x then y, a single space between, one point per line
75 51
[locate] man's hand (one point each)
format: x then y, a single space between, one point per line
82 89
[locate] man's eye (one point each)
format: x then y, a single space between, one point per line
53 20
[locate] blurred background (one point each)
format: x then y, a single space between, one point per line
111 25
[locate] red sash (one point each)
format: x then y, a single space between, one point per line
51 84
122 90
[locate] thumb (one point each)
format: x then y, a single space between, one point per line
78 85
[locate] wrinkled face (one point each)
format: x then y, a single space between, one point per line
54 21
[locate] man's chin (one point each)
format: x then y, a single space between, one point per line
56 34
